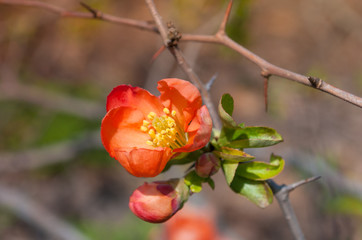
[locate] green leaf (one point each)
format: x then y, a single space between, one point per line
248 137
229 169
232 154
257 192
227 103
194 181
261 170
211 183
189 158
226 108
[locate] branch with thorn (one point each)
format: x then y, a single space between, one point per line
220 37
281 193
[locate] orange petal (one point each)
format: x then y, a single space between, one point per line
120 128
125 95
181 96
199 131
142 162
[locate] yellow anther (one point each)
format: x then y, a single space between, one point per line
164 131
166 110
151 115
144 129
152 133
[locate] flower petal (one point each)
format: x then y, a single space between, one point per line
199 131
142 162
181 96
121 129
126 95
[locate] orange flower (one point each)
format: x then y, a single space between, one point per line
143 132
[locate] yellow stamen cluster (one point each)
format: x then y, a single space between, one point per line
165 131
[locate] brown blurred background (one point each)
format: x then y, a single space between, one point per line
55 74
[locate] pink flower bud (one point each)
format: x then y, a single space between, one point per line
207 165
156 202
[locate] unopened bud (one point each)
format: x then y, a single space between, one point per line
156 202
207 165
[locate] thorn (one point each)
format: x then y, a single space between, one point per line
159 51
211 81
315 82
293 186
266 83
96 13
226 17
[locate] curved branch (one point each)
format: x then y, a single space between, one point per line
267 68
36 215
143 25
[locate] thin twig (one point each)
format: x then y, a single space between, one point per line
281 193
54 101
143 25
37 215
54 153
176 52
219 38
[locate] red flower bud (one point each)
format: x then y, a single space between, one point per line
207 165
156 202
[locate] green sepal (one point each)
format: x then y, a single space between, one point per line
211 183
261 170
194 182
258 192
248 137
232 154
226 108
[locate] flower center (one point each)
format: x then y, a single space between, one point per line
165 131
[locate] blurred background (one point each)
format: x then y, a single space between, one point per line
55 75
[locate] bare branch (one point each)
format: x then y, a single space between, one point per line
266 83
37 215
161 27
281 193
219 38
144 25
55 153
184 65
50 100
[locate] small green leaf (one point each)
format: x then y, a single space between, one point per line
248 137
257 192
261 170
232 154
227 103
229 169
226 108
194 182
211 183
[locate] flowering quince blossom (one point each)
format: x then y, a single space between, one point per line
143 132
156 202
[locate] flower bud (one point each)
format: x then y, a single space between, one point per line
207 165
156 202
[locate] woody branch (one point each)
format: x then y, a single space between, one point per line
267 69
